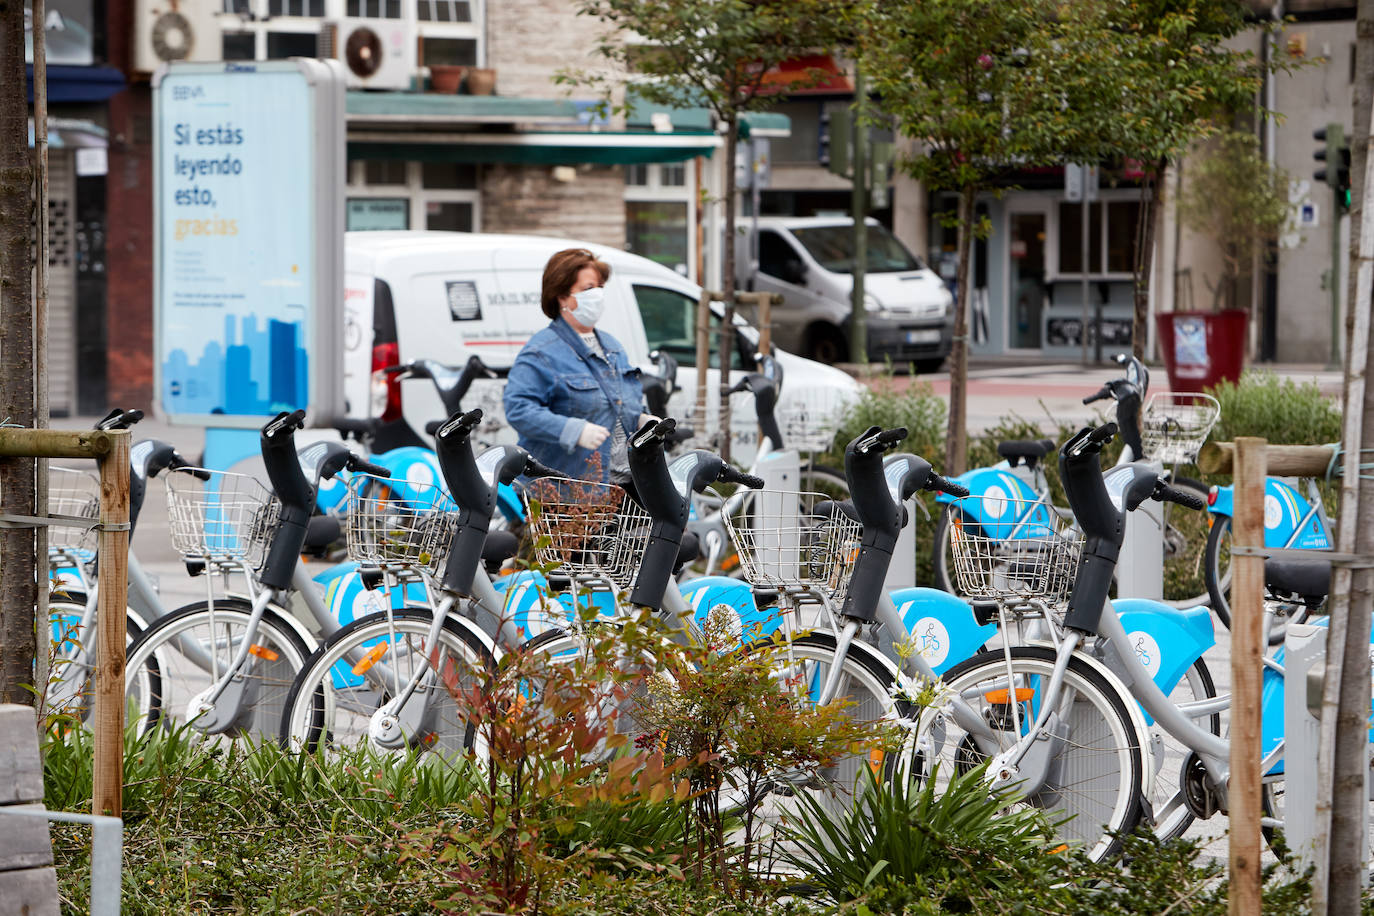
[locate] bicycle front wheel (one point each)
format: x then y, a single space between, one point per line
380 682
173 667
1089 772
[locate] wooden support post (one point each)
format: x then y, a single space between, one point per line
1281 460
1247 615
108 786
703 355
763 315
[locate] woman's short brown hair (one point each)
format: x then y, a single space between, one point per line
561 273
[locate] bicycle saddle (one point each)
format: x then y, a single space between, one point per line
1302 580
1025 450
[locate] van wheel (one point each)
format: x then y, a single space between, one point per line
927 366
827 346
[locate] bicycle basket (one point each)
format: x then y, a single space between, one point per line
76 494
388 530
795 540
1008 549
227 518
810 425
588 530
1174 426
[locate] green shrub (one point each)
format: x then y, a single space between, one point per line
916 407
1280 410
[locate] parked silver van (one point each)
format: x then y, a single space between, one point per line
809 260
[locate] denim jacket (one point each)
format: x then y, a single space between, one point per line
552 392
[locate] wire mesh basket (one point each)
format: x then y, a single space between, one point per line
227 518
795 540
811 425
388 529
1008 549
75 494
1174 426
587 530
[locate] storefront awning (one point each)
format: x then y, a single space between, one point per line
438 108
70 133
755 123
533 148
78 84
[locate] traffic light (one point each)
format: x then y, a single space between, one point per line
1335 152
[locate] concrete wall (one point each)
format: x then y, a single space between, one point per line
529 41
529 199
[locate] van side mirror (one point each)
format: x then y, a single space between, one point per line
794 271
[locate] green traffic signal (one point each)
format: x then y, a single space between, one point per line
1335 152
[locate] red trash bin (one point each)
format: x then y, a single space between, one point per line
1202 348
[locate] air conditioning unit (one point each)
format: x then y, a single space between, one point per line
167 30
378 53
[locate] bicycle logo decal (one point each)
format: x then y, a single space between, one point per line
1273 512
995 502
1146 651
932 640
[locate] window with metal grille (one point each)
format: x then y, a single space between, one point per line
444 10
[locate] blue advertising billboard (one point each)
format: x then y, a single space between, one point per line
248 219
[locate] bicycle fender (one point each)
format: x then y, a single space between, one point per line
411 465
332 494
942 626
995 481
735 599
1165 640
348 600
1142 730
1284 508
533 610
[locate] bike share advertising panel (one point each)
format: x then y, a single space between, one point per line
248 220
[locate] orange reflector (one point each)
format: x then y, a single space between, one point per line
264 653
1062 847
730 563
1000 696
373 656
875 759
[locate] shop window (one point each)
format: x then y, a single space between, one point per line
281 45
637 175
384 172
375 9
239 45
444 10
295 8
377 213
450 216
1111 247
448 175
657 230
673 175
449 52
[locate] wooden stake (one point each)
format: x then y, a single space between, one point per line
108 779
1247 610
703 353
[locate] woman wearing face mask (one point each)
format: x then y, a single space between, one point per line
572 395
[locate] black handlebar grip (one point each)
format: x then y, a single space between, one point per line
284 422
367 467
945 485
1101 393
892 436
1103 433
433 426
731 474
536 468
465 422
1166 493
179 463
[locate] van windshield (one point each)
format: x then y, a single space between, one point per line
833 249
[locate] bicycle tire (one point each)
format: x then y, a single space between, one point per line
163 675
82 698
865 692
1101 727
331 704
1185 549
1218 569
1171 815
821 478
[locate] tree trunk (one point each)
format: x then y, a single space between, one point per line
727 326
1349 753
1152 194
17 643
956 441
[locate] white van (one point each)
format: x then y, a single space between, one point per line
909 311
447 295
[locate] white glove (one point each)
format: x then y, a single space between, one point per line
592 435
645 418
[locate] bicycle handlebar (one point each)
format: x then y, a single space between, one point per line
362 466
881 440
1167 494
1102 394
934 483
536 468
730 474
284 424
119 419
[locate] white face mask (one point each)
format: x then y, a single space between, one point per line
590 304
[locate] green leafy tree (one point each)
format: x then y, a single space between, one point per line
982 86
1240 201
1164 78
722 55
